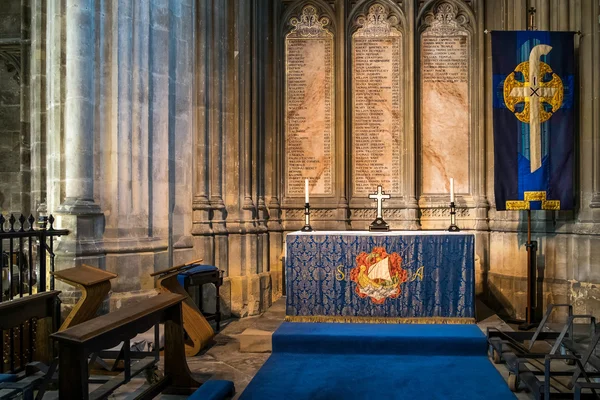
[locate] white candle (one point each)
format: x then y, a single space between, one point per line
451 190
306 190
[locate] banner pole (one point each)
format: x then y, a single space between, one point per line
529 277
530 317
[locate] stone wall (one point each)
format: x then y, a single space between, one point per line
14 163
157 138
147 150
567 253
10 141
566 239
10 19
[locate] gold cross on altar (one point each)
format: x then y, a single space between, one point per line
379 197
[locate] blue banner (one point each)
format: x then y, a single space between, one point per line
350 277
534 85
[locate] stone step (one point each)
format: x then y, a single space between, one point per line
255 341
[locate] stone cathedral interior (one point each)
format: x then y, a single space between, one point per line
255 199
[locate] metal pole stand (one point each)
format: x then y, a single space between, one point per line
307 227
530 318
453 227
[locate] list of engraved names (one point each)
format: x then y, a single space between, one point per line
444 111
377 114
309 127
444 59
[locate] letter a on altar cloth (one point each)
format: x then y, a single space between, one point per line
533 78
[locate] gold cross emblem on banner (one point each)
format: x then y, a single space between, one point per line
534 92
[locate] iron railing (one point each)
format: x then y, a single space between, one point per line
26 263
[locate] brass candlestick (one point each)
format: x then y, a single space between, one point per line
307 227
453 227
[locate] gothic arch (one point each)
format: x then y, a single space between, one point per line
362 9
446 17
307 19
396 18
323 10
12 59
464 14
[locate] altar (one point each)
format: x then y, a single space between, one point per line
396 277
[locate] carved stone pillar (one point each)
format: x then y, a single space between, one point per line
202 229
38 103
593 42
272 142
78 212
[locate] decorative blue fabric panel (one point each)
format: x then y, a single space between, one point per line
383 276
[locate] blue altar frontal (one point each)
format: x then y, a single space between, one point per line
346 276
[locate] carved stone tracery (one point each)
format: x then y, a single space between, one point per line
378 22
11 56
309 24
446 19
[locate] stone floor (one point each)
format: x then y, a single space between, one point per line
225 361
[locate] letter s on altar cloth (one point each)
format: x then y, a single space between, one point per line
340 276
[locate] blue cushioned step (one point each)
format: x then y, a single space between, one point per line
382 377
329 338
8 378
312 361
214 390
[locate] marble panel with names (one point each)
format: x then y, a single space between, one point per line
377 107
445 111
309 110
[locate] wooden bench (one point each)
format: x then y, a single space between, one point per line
199 332
94 284
77 343
13 314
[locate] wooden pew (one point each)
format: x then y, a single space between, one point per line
199 331
78 342
16 312
94 284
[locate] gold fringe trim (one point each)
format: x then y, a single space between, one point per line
379 320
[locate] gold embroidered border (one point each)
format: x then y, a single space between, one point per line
551 205
534 196
517 205
379 320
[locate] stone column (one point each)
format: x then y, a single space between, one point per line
595 78
25 51
38 103
201 205
78 211
481 202
272 143
411 213
79 182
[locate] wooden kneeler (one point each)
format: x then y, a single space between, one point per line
195 325
94 284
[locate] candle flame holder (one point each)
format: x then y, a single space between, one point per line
453 227
307 227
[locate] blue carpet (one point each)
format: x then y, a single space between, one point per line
417 339
371 361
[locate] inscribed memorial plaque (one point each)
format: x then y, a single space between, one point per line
445 113
309 106
377 110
